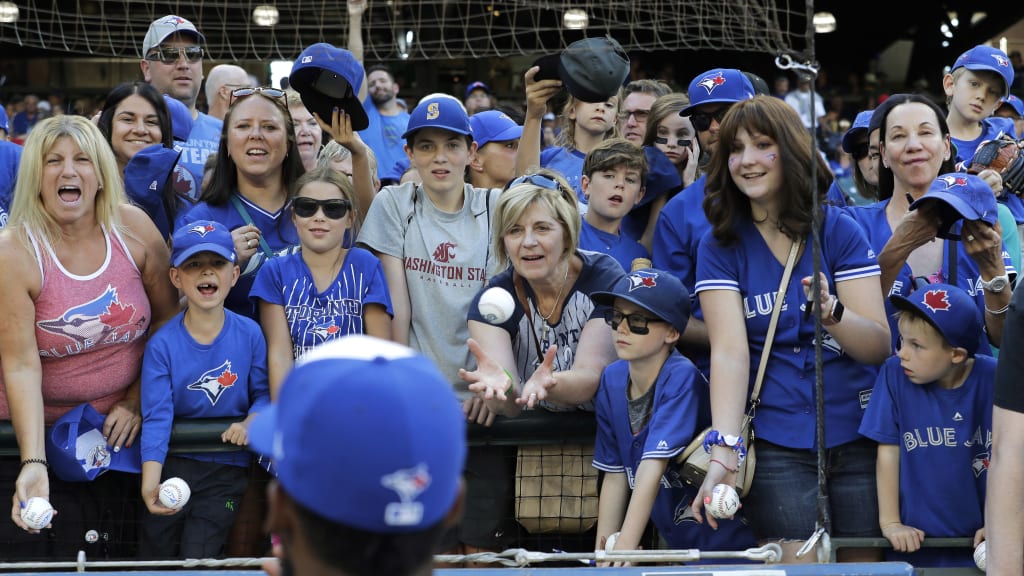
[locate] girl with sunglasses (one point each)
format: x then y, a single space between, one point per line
328 288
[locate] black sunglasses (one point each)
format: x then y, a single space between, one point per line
637 322
335 209
861 151
272 93
169 55
702 120
679 142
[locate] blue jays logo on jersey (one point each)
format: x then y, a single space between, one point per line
952 181
641 279
95 321
408 483
709 83
329 329
201 229
214 382
980 464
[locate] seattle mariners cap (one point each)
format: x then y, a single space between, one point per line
478 85
860 127
984 57
77 451
201 236
1011 101
718 85
181 118
439 111
161 28
656 291
493 126
366 433
959 196
949 310
325 77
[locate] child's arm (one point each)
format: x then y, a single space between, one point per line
537 95
279 344
902 537
238 432
394 273
340 128
376 321
638 514
157 405
151 471
611 506
1005 492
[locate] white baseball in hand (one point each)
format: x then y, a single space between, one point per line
496 305
37 513
979 556
609 542
725 502
174 493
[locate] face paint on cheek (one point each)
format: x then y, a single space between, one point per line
771 157
733 161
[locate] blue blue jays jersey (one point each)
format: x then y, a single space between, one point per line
315 317
835 195
945 438
277 229
786 415
621 247
681 409
182 378
568 163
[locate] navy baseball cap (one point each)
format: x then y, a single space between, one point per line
861 126
984 57
181 118
656 291
478 85
1011 101
949 310
366 433
960 196
726 85
493 126
77 451
201 236
439 111
327 77
591 69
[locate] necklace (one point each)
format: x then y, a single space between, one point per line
547 327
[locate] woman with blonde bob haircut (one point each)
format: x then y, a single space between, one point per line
86 280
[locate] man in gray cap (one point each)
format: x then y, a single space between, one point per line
172 61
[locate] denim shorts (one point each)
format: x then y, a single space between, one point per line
783 499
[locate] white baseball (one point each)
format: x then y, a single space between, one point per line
496 305
174 493
609 542
724 501
37 513
979 556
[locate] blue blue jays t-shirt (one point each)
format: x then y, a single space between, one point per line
203 140
618 246
568 163
384 136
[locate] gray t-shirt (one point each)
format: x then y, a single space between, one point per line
447 256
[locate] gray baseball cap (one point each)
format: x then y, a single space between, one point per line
163 27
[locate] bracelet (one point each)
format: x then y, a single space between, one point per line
511 382
716 438
722 464
35 461
999 312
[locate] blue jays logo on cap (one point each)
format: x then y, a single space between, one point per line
952 181
642 279
1000 59
711 82
937 300
202 229
408 484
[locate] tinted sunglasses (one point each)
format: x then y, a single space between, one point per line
679 142
169 55
702 120
637 323
640 115
861 151
335 209
272 93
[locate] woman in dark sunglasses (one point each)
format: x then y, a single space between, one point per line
329 288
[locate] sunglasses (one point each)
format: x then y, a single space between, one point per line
637 322
335 209
679 142
862 151
702 120
170 55
272 93
640 115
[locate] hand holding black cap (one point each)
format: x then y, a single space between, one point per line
592 69
327 77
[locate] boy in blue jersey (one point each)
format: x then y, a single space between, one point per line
613 184
931 414
649 406
207 362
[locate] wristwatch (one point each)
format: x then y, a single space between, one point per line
995 285
837 310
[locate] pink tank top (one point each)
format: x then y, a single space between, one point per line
90 330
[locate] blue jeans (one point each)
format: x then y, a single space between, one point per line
783 499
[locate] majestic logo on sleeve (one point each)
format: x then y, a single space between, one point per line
937 300
214 382
408 484
102 320
709 83
641 279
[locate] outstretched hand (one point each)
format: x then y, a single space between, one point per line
489 380
340 129
542 380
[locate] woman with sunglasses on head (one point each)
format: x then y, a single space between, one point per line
760 212
329 288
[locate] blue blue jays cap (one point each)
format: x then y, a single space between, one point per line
366 433
493 126
861 127
439 111
656 291
78 452
181 118
1015 103
201 236
950 310
718 85
984 57
478 85
327 77
960 196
